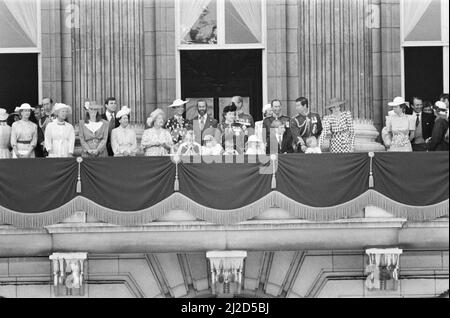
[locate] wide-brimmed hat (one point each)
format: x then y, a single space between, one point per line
59 106
178 102
92 105
397 101
125 110
3 114
24 106
155 114
335 101
440 107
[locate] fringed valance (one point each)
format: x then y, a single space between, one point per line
133 191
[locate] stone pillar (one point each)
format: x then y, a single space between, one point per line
226 272
51 50
365 136
276 53
68 273
390 47
383 268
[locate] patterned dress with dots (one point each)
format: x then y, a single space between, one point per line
341 132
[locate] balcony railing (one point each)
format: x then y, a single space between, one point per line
133 191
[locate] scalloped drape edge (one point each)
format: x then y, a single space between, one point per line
178 201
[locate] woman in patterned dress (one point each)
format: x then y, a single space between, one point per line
156 141
339 126
93 132
178 125
399 127
5 135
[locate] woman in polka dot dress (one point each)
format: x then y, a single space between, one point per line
339 127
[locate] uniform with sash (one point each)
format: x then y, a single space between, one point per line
303 127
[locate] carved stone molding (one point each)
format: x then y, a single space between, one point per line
68 273
383 268
226 272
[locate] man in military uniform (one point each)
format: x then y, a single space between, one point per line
276 115
305 124
241 117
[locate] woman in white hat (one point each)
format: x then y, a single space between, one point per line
255 146
24 134
339 126
399 127
123 138
59 134
178 124
156 141
5 135
439 139
211 146
93 132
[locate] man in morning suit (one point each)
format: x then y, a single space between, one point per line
424 125
110 116
203 124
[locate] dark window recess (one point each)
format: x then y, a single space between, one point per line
18 80
216 74
423 72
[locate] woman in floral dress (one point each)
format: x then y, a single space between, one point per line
156 141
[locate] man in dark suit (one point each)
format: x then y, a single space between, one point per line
424 125
203 124
110 116
304 125
276 115
282 137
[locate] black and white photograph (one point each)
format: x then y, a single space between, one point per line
224 156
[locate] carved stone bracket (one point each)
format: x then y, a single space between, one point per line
68 273
226 272
383 268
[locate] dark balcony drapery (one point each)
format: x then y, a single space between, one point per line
126 191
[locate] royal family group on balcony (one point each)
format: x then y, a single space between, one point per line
44 131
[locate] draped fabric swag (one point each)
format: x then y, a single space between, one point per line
127 191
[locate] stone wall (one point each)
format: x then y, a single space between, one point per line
269 274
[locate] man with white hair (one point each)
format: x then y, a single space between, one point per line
242 118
